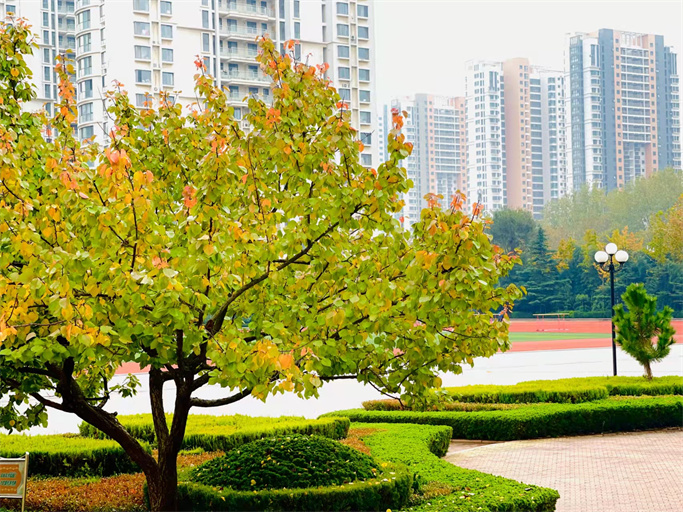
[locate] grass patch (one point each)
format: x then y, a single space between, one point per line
443 486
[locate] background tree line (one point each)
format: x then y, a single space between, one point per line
558 271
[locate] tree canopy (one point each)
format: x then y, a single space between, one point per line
264 260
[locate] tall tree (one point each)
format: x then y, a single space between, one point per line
265 261
512 229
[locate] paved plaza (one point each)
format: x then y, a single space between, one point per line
625 472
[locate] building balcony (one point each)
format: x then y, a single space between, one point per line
241 76
243 56
240 33
243 10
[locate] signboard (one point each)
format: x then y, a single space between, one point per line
13 478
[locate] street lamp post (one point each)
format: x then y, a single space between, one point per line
605 260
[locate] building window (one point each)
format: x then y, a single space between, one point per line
364 96
141 28
167 79
366 117
48 90
363 33
206 43
342 8
343 52
166 31
12 9
141 5
362 11
141 100
85 89
344 94
366 159
85 66
366 138
297 10
143 52
344 73
364 75
364 53
85 113
84 43
83 20
297 30
167 55
87 132
46 19
166 8
342 30
205 19
47 73
253 91
234 92
143 76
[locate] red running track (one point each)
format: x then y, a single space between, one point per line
551 326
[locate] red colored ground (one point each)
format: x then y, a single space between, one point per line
535 326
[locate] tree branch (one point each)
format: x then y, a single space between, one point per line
199 402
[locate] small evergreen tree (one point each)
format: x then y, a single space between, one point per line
637 328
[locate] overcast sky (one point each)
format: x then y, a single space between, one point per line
422 45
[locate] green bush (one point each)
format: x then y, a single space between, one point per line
421 447
290 462
391 489
70 456
528 393
391 404
617 414
627 386
583 389
213 433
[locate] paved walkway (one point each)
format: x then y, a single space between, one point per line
628 472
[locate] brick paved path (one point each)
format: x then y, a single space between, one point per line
627 472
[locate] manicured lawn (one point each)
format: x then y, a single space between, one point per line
517 337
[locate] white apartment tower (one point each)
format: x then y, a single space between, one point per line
435 125
485 120
151 45
623 107
515 135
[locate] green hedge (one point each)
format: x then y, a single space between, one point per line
575 390
618 414
420 448
391 404
213 433
70 456
391 489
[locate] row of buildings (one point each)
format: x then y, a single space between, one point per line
151 45
523 135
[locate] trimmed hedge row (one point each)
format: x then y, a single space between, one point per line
391 489
391 404
214 433
69 456
574 390
542 420
420 448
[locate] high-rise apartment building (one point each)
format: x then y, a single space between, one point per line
515 135
623 107
435 125
151 45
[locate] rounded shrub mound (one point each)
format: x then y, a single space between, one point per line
291 462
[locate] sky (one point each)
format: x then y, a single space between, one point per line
422 45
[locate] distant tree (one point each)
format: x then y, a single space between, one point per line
512 229
667 233
637 327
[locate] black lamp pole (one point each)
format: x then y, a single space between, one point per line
605 260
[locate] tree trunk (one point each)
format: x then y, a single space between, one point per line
648 370
162 489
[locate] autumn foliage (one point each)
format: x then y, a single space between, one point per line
266 260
